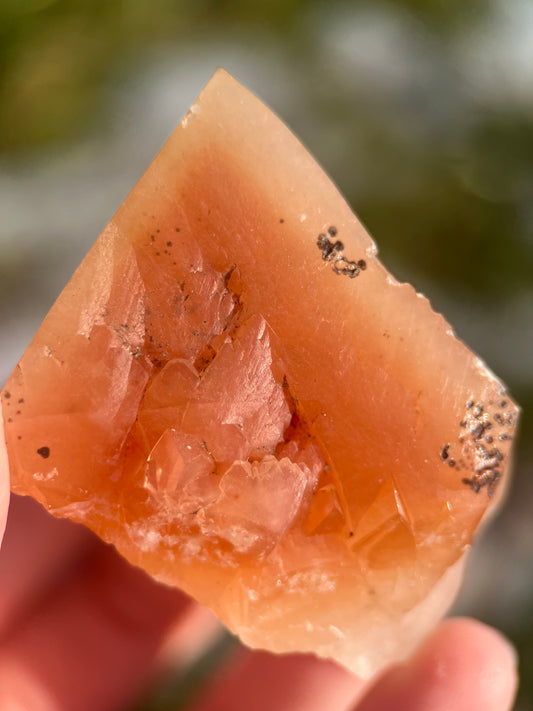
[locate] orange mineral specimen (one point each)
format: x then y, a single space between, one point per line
235 393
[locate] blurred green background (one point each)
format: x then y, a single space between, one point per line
420 110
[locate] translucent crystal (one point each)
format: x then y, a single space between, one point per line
233 391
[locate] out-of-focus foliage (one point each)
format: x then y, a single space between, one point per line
55 54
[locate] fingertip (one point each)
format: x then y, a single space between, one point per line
292 682
464 664
475 659
467 637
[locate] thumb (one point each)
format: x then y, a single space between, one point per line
4 476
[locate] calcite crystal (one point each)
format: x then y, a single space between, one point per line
234 392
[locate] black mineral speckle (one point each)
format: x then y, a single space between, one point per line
484 460
333 252
7 394
478 431
44 452
345 267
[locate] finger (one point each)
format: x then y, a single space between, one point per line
263 682
38 551
91 646
464 665
4 476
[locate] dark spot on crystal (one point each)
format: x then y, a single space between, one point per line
21 400
444 452
472 484
7 394
477 432
329 249
451 463
169 244
502 403
44 452
469 404
281 220
343 266
332 252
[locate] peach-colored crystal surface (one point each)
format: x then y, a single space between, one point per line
233 391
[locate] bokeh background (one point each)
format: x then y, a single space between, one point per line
420 110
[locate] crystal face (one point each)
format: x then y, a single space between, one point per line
234 392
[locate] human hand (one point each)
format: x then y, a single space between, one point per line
81 630
463 666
